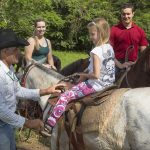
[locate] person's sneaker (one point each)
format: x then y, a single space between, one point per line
47 131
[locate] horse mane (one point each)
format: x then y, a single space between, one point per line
51 71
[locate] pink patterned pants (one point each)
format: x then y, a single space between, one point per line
77 91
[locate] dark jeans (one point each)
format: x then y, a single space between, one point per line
7 137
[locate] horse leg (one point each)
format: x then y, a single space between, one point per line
59 138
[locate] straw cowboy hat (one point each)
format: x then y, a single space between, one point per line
8 38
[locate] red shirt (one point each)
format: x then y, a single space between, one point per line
121 38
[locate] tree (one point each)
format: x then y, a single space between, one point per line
67 19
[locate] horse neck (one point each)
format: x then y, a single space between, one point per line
77 66
39 78
137 76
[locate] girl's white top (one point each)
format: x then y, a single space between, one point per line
107 67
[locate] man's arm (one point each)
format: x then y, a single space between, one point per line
10 117
34 94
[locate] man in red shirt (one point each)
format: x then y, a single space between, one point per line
127 39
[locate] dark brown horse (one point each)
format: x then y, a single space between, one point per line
76 66
139 74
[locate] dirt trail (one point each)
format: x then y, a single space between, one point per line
31 146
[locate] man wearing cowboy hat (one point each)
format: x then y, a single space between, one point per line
10 90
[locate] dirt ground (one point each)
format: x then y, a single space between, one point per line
29 146
35 142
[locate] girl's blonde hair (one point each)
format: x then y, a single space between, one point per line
37 45
103 30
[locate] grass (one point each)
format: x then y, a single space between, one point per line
68 57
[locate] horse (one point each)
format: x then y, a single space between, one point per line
75 67
138 75
117 126
120 123
37 76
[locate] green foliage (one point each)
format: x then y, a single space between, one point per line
67 19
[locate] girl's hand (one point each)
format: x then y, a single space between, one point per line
81 77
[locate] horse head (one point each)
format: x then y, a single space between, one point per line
37 76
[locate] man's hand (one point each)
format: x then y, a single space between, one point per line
36 124
53 89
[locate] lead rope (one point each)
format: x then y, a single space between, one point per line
129 49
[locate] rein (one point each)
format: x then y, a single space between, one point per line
71 78
26 72
128 50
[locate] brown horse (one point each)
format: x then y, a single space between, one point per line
76 66
139 74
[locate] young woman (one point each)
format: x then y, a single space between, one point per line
40 49
101 71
